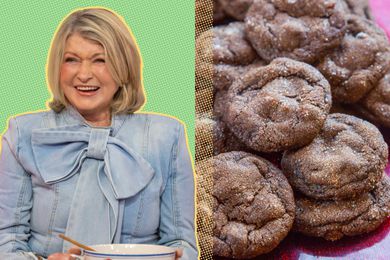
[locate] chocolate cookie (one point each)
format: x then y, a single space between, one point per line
376 105
253 205
303 30
225 75
228 47
357 65
236 8
278 107
346 159
334 219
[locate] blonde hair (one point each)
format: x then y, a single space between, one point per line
122 56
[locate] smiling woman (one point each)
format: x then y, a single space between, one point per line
86 80
97 53
90 167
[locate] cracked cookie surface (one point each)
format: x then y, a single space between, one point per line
346 159
303 30
334 219
253 205
360 61
223 51
225 75
278 107
230 45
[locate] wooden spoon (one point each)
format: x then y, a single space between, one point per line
74 242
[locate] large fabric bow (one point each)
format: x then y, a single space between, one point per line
110 171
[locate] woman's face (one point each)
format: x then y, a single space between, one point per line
85 78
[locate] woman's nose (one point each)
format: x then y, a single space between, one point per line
84 73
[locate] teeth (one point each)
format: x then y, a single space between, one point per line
86 88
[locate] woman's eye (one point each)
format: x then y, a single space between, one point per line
100 60
70 60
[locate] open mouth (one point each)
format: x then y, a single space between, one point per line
87 89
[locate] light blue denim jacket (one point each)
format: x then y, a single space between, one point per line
144 180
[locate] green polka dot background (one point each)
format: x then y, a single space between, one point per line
164 31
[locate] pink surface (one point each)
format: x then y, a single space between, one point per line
381 11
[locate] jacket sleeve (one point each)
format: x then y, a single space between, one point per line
15 199
177 202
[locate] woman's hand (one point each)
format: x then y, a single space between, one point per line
179 253
66 256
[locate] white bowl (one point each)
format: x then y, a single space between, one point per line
130 251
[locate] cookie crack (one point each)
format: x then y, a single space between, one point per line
270 30
351 128
274 190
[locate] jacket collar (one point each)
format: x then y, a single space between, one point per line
71 116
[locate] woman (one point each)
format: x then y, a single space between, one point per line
89 167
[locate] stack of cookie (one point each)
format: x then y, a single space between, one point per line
339 179
253 204
279 67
